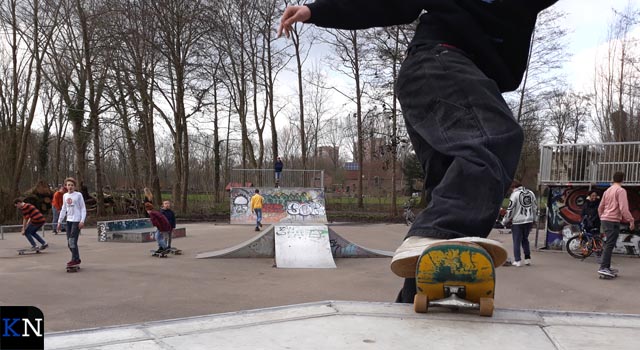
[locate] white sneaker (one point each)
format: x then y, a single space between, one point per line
406 256
527 262
517 263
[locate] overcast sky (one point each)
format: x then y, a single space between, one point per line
588 22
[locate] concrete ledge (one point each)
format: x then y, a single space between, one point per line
365 325
132 231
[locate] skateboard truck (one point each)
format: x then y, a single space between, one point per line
455 299
457 275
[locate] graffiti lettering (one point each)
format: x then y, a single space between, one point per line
280 205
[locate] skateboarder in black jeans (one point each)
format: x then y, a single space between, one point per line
464 54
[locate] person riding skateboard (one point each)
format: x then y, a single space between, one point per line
74 212
256 208
613 209
32 221
463 56
162 225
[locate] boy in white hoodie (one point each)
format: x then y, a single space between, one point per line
521 213
75 212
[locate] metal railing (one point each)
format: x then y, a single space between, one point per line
591 163
266 178
17 228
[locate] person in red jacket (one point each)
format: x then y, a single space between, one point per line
31 223
161 223
56 205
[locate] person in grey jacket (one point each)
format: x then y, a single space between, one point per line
521 213
463 55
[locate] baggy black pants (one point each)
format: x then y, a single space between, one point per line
465 137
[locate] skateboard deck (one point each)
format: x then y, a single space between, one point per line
607 277
28 251
175 251
74 268
456 275
160 255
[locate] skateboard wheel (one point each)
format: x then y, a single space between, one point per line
486 307
420 303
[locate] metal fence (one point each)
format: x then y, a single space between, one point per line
266 178
592 163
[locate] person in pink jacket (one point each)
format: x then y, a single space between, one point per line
613 209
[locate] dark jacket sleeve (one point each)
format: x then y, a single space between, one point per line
361 14
171 217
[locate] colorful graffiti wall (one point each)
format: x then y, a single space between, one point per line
281 205
564 209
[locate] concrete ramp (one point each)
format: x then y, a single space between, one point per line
365 326
303 247
263 246
260 246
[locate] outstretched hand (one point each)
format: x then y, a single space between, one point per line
291 15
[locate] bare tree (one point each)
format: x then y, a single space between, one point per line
29 29
566 115
66 72
180 27
352 55
298 31
233 20
390 44
546 55
616 83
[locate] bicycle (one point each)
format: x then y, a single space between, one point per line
409 216
585 243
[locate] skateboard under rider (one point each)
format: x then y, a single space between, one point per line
456 275
162 254
608 277
73 268
26 251
174 251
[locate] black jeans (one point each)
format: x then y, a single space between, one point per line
465 138
520 235
612 230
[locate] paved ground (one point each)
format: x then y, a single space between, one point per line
121 284
364 325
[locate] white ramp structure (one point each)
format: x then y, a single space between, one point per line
303 247
263 246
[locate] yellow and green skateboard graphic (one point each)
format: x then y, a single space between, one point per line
455 275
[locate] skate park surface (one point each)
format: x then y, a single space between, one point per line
124 298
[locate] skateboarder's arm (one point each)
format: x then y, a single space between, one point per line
25 222
83 212
623 202
361 14
353 14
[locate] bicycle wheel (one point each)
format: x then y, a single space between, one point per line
578 248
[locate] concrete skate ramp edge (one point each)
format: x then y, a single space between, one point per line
303 247
343 248
260 246
263 246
